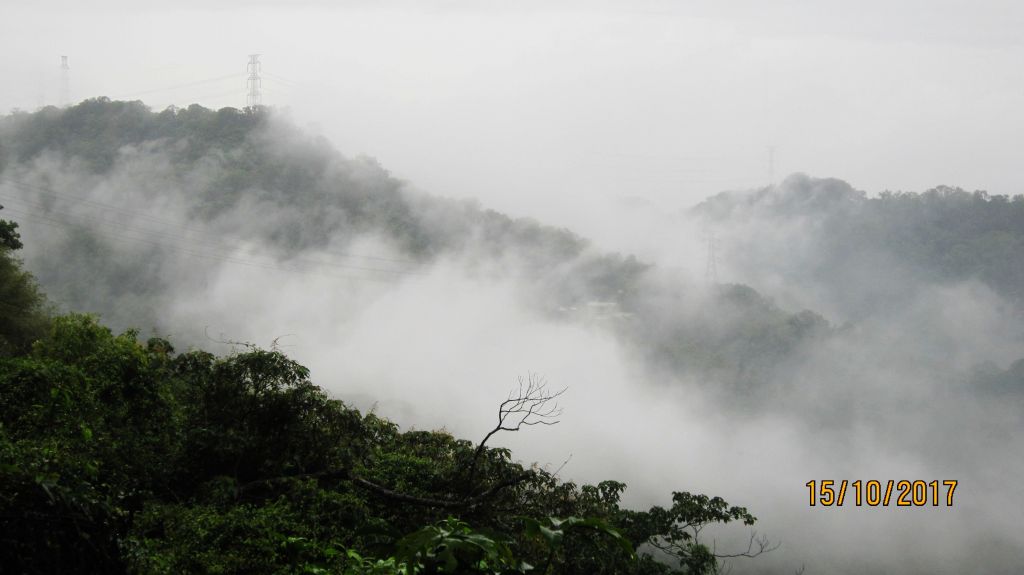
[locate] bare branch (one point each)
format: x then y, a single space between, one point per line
276 345
530 403
681 549
756 546
245 344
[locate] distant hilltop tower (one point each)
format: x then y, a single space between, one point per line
65 82
255 83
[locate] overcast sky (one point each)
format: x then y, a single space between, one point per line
560 110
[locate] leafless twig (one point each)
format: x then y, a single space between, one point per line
756 546
245 344
276 344
530 403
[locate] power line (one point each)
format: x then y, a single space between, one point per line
63 225
281 79
225 251
169 223
179 86
233 93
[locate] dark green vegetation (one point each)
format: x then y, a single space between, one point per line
118 455
22 313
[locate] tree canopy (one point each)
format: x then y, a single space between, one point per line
119 455
124 456
22 306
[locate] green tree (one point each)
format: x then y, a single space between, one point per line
120 455
9 237
23 317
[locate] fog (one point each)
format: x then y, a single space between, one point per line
614 122
560 110
440 343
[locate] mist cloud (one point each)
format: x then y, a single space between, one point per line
438 338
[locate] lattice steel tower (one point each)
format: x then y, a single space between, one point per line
255 83
65 82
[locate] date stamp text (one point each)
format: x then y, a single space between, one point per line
873 493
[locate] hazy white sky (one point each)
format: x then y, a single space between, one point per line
562 110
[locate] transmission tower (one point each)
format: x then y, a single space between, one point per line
65 82
255 83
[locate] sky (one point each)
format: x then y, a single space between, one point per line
581 115
572 112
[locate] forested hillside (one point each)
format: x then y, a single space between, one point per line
118 455
872 253
141 432
305 195
155 201
23 315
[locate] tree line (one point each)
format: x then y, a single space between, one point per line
122 455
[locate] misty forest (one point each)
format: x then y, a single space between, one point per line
227 347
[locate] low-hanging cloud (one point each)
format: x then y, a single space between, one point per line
436 339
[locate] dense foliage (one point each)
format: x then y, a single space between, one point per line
118 455
22 307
